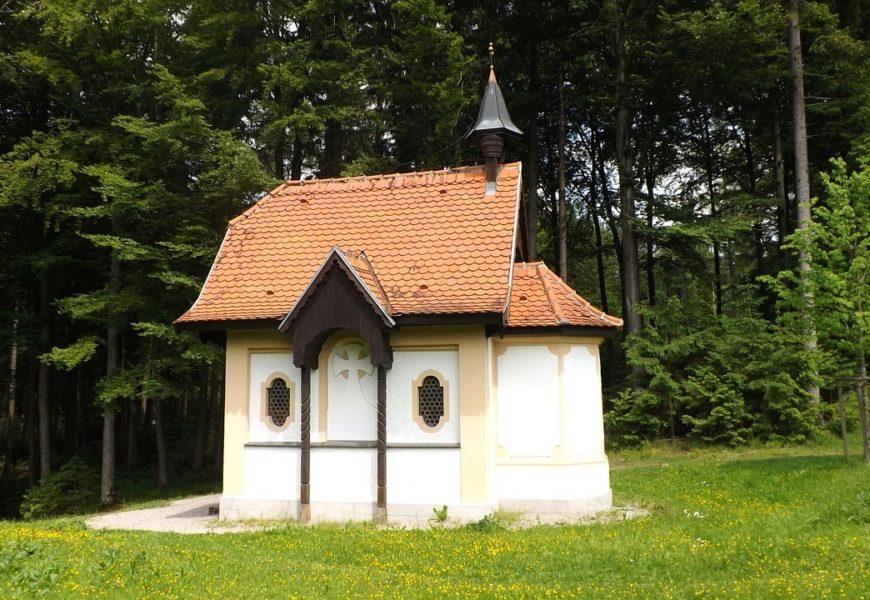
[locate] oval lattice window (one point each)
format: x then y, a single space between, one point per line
279 402
430 397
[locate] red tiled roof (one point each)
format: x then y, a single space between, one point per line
539 298
440 245
359 262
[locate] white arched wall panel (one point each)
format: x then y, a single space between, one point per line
584 424
351 394
314 407
407 367
528 400
262 366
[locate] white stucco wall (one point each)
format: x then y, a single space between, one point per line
408 365
584 419
272 472
352 394
550 431
344 474
427 476
262 366
528 401
552 482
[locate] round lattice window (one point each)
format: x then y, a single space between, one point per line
279 402
430 398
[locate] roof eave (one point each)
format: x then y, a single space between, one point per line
563 330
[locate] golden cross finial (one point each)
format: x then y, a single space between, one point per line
491 54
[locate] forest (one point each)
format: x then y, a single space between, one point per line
699 167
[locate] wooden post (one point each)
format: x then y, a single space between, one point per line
843 421
305 470
381 513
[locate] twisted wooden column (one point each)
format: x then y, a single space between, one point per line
305 470
381 513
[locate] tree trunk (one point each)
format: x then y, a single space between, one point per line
650 241
625 163
132 430
160 440
532 167
42 399
802 172
779 173
296 161
332 149
714 213
599 245
10 408
563 208
113 355
757 231
201 418
598 164
30 423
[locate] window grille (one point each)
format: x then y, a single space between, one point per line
278 402
430 400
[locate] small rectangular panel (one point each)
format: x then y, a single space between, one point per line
271 473
344 474
423 476
552 482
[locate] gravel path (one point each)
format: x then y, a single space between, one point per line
189 515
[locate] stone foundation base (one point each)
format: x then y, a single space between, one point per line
234 509
555 509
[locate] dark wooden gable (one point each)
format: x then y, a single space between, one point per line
337 299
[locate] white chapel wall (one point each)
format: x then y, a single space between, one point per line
408 366
528 414
584 417
352 392
264 366
550 431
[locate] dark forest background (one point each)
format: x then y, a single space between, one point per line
662 164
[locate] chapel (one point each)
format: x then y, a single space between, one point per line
389 351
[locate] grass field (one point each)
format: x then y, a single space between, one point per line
750 524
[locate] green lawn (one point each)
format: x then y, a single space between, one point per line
750 524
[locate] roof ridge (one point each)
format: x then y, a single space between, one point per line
542 272
385 176
363 257
585 303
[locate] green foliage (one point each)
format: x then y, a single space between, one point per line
67 359
715 409
836 291
718 379
490 523
31 568
439 515
72 489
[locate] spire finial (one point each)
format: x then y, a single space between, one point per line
491 55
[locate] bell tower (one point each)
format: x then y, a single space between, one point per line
493 125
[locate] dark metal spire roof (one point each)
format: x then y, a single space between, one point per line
493 116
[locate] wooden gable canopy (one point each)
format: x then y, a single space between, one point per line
343 294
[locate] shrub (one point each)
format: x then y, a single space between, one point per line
75 488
